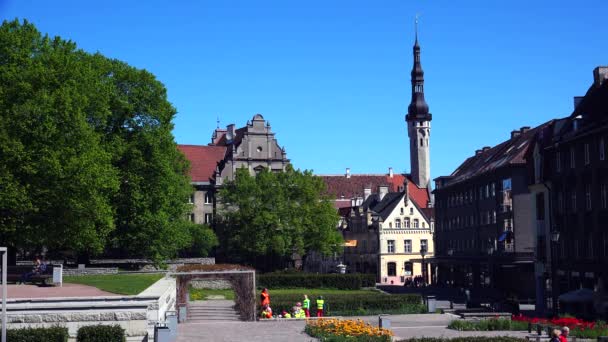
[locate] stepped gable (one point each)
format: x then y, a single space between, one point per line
203 160
343 187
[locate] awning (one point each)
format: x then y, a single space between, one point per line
350 243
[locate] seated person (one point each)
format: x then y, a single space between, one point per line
35 270
266 312
298 312
285 314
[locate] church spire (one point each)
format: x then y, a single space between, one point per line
418 109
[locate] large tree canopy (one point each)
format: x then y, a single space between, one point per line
276 214
88 158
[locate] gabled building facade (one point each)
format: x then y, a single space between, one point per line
253 146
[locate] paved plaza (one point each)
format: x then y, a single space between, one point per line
67 290
404 326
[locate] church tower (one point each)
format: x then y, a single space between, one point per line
418 121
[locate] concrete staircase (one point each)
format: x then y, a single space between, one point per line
212 310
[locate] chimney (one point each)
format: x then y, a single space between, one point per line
600 75
577 101
367 191
524 129
390 172
485 148
477 152
382 191
230 133
515 134
348 172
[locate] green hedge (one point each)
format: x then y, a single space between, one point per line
354 304
101 333
312 280
492 324
54 334
466 339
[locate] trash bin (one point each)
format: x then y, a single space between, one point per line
431 304
162 333
171 319
384 322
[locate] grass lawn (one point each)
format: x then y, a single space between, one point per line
126 284
201 294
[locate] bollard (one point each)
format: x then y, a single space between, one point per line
384 322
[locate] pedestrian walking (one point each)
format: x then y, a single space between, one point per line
563 337
555 335
320 304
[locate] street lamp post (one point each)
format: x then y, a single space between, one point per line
554 286
423 254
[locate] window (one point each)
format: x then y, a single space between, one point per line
208 198
588 197
558 161
397 223
406 222
493 189
191 199
390 246
423 224
421 143
424 245
411 211
401 210
408 268
602 149
390 224
208 218
572 158
573 198
487 190
506 184
391 269
415 223
587 159
407 246
191 217
604 196
493 216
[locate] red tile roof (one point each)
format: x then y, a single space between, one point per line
339 185
203 160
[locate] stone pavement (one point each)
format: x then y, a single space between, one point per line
67 290
404 326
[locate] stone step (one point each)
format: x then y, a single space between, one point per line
212 316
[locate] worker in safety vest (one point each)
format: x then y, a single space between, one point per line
306 306
298 312
286 314
320 303
264 298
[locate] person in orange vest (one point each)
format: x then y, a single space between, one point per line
265 298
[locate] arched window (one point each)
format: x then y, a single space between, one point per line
397 223
415 223
406 222
408 268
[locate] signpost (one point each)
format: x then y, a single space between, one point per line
3 250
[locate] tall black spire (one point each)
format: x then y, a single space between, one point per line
418 109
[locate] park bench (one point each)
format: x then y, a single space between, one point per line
52 275
484 315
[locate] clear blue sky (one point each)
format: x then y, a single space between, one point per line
333 76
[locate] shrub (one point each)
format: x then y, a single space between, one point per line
466 339
101 333
53 334
355 304
312 280
492 324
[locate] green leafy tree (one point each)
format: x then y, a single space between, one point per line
272 215
88 158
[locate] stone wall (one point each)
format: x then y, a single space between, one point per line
216 284
89 271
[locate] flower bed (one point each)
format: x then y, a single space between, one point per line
335 330
578 327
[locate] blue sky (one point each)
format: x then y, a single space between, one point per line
332 77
